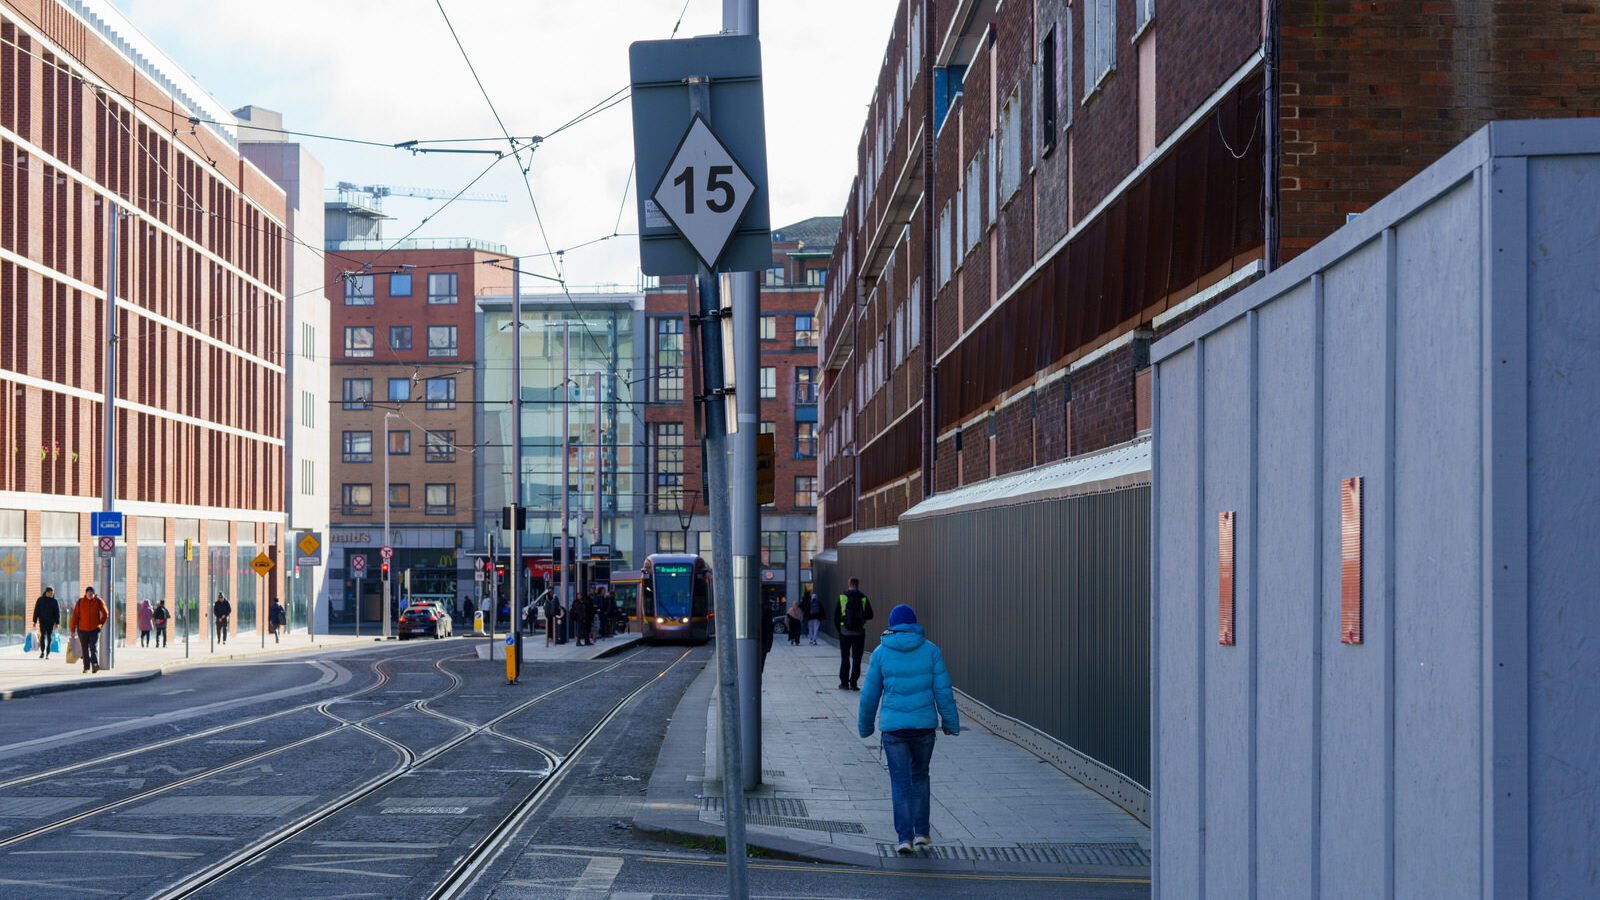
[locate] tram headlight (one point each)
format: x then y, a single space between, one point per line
660 621
685 620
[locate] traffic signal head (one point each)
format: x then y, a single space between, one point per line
386 569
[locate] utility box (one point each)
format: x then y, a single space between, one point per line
1376 517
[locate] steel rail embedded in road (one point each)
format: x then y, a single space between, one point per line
320 707
483 854
247 854
376 665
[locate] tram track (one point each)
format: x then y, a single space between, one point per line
467 870
556 766
322 707
377 666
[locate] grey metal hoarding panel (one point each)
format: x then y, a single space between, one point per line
1442 349
661 116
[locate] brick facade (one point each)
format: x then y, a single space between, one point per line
1148 191
200 283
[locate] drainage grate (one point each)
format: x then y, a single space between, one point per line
1123 855
762 806
772 773
425 810
808 824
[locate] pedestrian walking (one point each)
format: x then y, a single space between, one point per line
144 615
907 674
277 616
89 615
467 610
850 621
813 605
793 619
221 611
581 610
160 617
46 616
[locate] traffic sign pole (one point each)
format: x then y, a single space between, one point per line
108 450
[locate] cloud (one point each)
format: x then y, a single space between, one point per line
389 71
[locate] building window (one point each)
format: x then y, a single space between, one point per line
358 393
358 290
805 492
805 440
1099 42
400 285
441 500
703 541
1143 12
308 477
399 390
775 276
769 328
670 542
358 446
441 287
441 340
768 428
356 499
400 496
399 337
308 341
358 341
808 548
308 409
774 549
669 358
1045 93
816 277
805 331
805 384
666 448
441 446
1011 147
769 383
400 443
442 393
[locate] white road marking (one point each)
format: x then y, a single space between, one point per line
158 854
177 692
597 878
145 836
343 863
65 883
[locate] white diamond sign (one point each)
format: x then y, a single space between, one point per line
704 191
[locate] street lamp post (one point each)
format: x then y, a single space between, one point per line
388 565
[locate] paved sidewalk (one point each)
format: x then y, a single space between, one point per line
825 792
25 674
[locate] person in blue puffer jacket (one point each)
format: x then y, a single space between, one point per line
907 674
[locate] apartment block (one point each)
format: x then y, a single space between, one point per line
679 516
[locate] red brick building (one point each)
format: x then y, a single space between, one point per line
677 515
1042 190
404 362
93 117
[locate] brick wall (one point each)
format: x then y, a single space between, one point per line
1375 91
1103 403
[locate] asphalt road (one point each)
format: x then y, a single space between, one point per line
395 772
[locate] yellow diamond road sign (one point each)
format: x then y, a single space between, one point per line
262 564
309 544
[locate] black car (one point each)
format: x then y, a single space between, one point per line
425 619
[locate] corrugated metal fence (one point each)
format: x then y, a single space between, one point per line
1042 610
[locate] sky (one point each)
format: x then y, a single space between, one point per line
388 70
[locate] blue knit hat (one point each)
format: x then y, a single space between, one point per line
902 615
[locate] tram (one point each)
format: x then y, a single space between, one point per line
675 598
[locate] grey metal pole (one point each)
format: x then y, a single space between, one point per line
494 592
108 457
516 464
716 468
566 437
385 566
740 17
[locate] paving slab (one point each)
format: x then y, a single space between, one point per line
996 805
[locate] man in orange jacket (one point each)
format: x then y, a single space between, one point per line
89 615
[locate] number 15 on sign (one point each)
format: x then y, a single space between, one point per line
704 191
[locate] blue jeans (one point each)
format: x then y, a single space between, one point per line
908 752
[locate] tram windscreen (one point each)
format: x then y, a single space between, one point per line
673 585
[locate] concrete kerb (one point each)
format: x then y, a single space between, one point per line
672 809
152 674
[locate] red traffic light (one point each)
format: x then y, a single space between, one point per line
386 567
